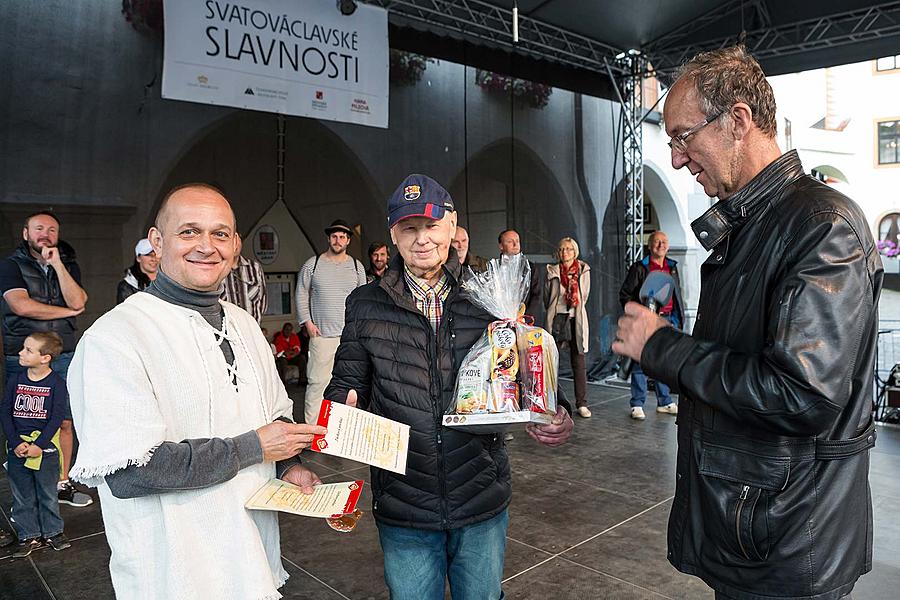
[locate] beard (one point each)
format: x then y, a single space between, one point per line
36 248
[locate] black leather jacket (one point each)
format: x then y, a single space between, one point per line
775 418
403 370
43 286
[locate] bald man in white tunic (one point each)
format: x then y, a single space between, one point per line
182 417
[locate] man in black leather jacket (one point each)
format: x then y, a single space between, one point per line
402 344
775 422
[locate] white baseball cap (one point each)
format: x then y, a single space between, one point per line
143 247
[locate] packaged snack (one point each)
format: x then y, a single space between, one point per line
504 396
539 373
505 351
471 391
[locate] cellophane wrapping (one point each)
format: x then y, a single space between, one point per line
514 365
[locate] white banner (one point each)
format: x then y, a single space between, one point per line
283 56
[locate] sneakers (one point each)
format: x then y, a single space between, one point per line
637 413
59 542
26 547
508 437
69 495
584 412
668 409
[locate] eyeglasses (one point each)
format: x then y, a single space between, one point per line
679 142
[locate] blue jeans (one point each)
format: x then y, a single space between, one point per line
418 561
60 366
35 506
639 389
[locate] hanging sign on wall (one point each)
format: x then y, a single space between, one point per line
282 56
265 244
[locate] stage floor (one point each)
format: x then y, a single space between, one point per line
587 521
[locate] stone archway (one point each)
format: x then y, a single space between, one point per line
659 194
537 207
324 180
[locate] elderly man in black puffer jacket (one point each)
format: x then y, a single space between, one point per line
403 341
775 422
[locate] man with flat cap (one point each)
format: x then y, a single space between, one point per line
323 284
402 346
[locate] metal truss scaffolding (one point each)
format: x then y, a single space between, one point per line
766 41
490 23
634 64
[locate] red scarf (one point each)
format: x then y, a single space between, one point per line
568 278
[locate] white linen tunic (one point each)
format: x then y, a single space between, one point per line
148 372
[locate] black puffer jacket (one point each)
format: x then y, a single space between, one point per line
775 419
402 370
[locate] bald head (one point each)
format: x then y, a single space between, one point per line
461 243
189 192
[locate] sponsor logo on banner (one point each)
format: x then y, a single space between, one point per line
319 102
271 93
202 82
249 91
359 106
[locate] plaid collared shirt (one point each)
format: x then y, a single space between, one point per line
429 300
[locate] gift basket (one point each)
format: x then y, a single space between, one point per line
509 376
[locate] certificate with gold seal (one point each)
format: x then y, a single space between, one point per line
327 500
362 436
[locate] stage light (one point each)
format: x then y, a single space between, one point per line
347 7
515 22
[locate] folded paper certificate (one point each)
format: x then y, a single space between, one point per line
328 500
362 436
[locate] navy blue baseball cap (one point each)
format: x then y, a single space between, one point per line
418 196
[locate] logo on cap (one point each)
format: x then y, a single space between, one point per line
412 192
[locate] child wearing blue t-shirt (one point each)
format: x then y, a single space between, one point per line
33 408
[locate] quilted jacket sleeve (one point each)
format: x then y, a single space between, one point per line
352 363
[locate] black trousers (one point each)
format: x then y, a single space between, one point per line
579 372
